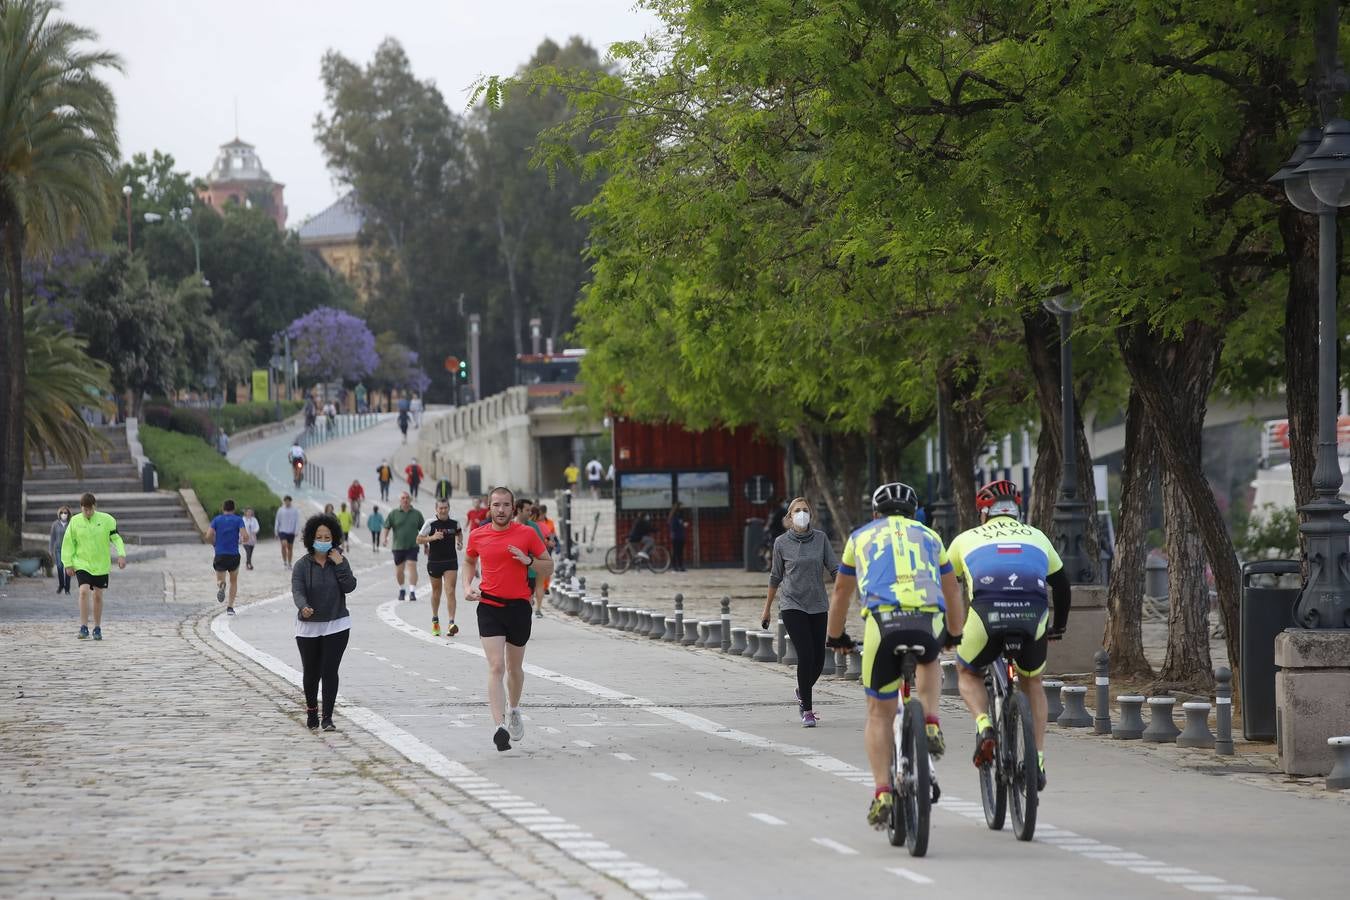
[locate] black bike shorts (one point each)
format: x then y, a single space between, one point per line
990 623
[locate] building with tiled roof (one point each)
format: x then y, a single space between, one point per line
238 176
335 235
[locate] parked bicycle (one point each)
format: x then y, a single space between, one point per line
625 556
914 784
1013 773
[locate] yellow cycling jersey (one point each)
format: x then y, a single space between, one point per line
898 562
1004 559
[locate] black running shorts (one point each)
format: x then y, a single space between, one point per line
511 621
405 556
438 567
226 562
97 581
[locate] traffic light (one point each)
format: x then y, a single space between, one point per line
463 370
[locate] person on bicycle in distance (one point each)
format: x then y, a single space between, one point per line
1006 565
640 539
900 570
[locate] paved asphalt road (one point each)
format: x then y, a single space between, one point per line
686 773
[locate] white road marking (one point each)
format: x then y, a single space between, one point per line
710 796
586 744
662 776
767 819
912 876
549 729
1232 889
835 846
625 757
1190 879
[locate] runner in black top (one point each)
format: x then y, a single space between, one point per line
443 539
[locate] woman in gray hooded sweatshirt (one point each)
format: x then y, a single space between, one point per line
320 583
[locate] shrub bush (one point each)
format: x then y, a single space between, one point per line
236 416
185 461
204 422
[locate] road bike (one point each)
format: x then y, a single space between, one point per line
914 785
1014 772
298 472
625 556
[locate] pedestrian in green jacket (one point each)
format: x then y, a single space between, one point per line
86 553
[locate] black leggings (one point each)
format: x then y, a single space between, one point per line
320 658
807 631
248 550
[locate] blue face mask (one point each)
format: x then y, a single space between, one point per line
323 546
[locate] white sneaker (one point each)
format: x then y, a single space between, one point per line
516 725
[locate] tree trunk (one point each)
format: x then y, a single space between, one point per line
965 436
1173 378
1124 640
1045 478
1187 665
1300 347
815 463
12 391
510 254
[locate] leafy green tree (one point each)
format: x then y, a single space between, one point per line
62 379
58 151
156 187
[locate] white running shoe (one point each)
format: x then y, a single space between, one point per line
516 725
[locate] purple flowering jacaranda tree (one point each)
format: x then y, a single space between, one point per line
333 345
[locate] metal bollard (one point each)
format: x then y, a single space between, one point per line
702 635
854 670
737 641
1196 733
1339 779
1053 707
1161 729
690 634
715 635
951 684
782 640
1101 716
1075 713
1131 727
604 604
1223 711
726 624
764 653
668 632
679 617
581 585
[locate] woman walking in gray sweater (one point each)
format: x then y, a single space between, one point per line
801 557
320 583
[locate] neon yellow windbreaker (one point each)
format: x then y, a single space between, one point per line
87 540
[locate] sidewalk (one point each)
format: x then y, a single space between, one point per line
158 763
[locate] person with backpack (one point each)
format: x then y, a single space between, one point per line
385 474
802 555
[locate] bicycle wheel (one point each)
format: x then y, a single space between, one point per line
917 795
1022 755
659 560
993 789
618 559
895 826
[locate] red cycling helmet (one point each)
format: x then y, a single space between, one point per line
998 492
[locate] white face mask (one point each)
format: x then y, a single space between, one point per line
801 518
65 516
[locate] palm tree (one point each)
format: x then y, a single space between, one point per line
58 153
61 378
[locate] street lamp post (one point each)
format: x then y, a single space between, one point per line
1071 511
126 192
181 217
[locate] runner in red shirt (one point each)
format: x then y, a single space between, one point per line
355 496
476 515
498 555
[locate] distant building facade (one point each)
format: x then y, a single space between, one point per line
335 235
238 177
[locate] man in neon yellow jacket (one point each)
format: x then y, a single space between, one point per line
86 554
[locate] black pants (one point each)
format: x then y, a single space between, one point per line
807 631
62 579
320 658
677 554
248 554
384 490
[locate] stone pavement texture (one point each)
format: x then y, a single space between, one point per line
158 763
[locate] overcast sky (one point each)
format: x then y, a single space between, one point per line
188 61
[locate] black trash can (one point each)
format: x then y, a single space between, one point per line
149 478
473 480
1264 612
754 536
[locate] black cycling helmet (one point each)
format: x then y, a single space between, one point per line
895 499
999 498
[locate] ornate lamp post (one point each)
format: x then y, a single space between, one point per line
126 192
1071 512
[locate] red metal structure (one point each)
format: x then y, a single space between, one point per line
728 475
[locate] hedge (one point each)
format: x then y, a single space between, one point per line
236 416
204 422
185 461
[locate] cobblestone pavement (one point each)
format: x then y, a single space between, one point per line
158 763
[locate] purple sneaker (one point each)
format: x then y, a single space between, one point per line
808 719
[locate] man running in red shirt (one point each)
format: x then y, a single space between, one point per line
500 553
355 495
477 515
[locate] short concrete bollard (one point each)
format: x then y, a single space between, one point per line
702 635
951 685
625 615
1075 713
840 664
764 653
1131 725
737 641
1196 733
690 634
668 632
1053 707
1223 711
640 618
715 635
726 624
1101 716
789 652
1339 779
587 611
751 643
1161 729
658 629
854 670
827 668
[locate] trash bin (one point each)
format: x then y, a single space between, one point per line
1266 610
473 480
1155 577
754 536
149 477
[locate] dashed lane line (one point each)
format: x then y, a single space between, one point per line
767 819
834 845
911 876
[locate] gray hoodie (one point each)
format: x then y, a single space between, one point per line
798 571
323 589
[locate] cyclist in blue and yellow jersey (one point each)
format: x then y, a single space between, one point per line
1006 565
900 570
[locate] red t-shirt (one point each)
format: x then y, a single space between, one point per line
355 492
475 517
503 577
